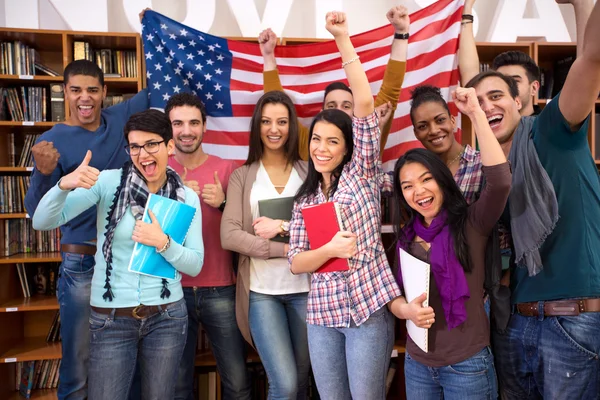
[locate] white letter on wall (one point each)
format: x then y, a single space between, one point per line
509 23
200 14
83 15
246 14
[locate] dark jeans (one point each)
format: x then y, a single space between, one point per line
549 357
117 344
214 308
73 293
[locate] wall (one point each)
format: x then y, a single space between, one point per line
304 17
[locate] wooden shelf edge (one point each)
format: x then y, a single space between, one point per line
37 394
31 258
31 349
34 303
24 78
13 215
29 123
16 169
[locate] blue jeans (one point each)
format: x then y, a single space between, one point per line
471 379
73 292
549 357
352 363
214 308
118 343
278 327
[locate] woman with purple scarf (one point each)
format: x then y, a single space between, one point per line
435 224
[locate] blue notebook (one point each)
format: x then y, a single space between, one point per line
175 219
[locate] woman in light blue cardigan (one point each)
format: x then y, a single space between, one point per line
134 318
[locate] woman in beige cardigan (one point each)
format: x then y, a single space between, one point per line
270 300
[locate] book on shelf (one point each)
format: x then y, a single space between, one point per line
114 99
25 103
54 331
33 375
17 58
26 382
45 69
57 102
111 61
37 279
21 144
175 219
12 193
322 222
18 236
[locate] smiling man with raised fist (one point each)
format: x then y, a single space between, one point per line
57 153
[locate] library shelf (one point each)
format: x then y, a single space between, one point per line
31 349
16 124
34 303
31 258
37 79
13 215
37 394
4 170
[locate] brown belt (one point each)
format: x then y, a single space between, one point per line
138 312
78 248
560 307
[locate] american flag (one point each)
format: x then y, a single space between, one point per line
227 74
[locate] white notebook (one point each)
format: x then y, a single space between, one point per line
415 277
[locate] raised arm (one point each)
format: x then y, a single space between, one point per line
583 81
393 78
582 9
337 25
46 173
233 235
468 59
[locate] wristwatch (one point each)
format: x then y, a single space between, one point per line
222 206
285 228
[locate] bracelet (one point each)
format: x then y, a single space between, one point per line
350 61
401 36
166 246
466 22
467 17
222 206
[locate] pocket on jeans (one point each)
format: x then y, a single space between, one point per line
98 322
581 332
177 311
473 366
74 263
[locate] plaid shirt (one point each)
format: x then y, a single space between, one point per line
336 298
469 176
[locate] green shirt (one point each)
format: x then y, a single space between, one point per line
571 253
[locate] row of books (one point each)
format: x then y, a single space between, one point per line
41 374
37 279
114 99
23 148
12 193
114 63
18 236
54 331
25 103
16 58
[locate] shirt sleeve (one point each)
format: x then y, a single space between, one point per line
298 236
189 257
390 91
365 156
487 210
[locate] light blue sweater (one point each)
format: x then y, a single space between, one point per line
129 288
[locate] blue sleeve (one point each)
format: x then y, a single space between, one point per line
138 103
39 185
189 257
552 129
58 206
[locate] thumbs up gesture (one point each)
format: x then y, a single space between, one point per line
191 183
213 194
150 234
84 176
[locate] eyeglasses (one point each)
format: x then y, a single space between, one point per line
150 147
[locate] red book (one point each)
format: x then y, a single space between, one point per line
322 222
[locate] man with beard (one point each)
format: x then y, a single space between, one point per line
210 296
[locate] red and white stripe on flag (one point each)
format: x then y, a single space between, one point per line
305 71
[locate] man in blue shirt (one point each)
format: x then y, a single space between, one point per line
58 152
551 347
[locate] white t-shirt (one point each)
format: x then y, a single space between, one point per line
273 276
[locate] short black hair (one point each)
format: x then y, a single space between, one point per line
83 67
186 99
152 121
426 94
515 57
513 89
335 86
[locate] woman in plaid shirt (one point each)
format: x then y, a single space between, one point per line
350 331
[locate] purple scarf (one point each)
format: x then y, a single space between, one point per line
446 269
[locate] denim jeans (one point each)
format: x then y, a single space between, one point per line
471 379
278 327
118 343
214 308
549 357
352 363
73 292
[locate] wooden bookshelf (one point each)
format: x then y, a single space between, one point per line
38 394
34 303
30 258
31 349
13 216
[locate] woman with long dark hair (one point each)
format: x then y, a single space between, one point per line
270 300
435 224
350 330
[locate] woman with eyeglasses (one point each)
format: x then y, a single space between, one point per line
134 318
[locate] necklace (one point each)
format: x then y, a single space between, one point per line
457 157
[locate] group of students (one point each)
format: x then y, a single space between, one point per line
456 208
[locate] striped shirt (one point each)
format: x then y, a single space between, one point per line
337 298
469 176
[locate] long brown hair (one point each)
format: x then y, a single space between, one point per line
255 150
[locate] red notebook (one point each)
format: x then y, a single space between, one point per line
322 222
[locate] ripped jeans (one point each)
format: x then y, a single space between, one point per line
549 357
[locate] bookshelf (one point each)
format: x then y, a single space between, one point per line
30 318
